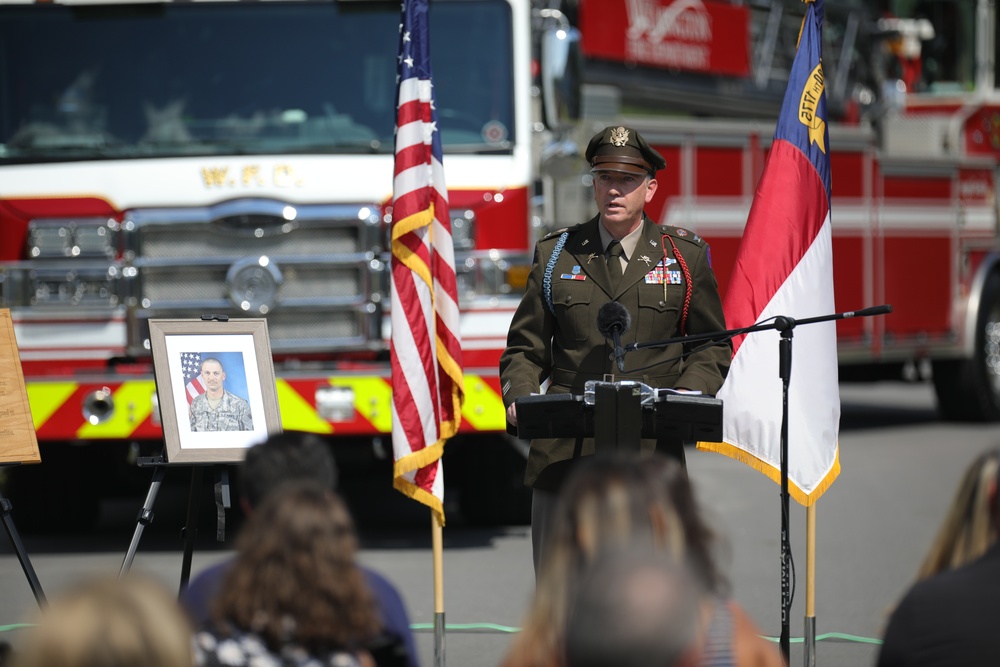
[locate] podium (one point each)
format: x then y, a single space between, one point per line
619 414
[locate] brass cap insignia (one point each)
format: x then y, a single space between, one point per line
619 136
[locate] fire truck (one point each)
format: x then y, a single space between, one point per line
178 160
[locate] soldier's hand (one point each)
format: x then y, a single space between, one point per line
512 415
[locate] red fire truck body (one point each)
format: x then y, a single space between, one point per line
916 233
177 160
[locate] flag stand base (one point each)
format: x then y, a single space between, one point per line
810 642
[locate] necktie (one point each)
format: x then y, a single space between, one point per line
615 252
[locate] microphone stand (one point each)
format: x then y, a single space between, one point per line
784 325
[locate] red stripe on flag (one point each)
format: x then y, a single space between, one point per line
770 252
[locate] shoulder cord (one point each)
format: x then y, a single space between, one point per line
687 279
549 268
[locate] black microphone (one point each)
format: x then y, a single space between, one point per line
613 321
868 312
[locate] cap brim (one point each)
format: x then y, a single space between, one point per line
620 166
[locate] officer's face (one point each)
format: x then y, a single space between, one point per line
621 196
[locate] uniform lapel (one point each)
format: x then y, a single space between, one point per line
647 253
589 255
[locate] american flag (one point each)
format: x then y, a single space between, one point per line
426 354
191 367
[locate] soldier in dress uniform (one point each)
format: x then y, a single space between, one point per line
663 277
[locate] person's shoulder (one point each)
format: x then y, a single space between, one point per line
378 583
236 398
552 237
682 234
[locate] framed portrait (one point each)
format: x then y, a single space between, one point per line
215 386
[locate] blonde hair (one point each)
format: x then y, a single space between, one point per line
132 622
968 529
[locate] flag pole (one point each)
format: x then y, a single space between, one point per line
437 546
810 629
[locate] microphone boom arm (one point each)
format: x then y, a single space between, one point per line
780 323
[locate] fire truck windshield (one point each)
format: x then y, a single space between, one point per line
111 81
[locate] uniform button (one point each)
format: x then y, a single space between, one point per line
568 299
663 303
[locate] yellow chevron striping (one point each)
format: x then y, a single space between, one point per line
47 397
483 408
372 399
133 402
297 414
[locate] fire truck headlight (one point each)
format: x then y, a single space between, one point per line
335 404
73 287
59 239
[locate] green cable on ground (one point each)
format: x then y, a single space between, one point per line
466 626
836 636
14 626
472 627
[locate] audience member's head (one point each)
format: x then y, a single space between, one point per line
132 622
969 527
294 579
633 610
285 457
623 502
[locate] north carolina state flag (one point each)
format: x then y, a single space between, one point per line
784 266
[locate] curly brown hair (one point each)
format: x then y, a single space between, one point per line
294 579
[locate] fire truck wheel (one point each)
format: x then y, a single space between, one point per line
969 389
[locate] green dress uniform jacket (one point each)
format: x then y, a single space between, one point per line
554 334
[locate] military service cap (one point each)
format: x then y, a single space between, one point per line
623 149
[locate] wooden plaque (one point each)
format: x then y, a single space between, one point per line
18 443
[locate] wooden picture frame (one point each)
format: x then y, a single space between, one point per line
215 387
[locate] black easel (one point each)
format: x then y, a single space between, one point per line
784 325
190 531
22 555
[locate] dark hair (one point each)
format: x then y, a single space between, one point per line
295 579
286 457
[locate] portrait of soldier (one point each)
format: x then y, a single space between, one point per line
217 409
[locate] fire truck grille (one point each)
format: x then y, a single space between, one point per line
174 286
203 242
315 277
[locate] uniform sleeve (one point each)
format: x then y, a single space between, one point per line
246 419
707 365
527 360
